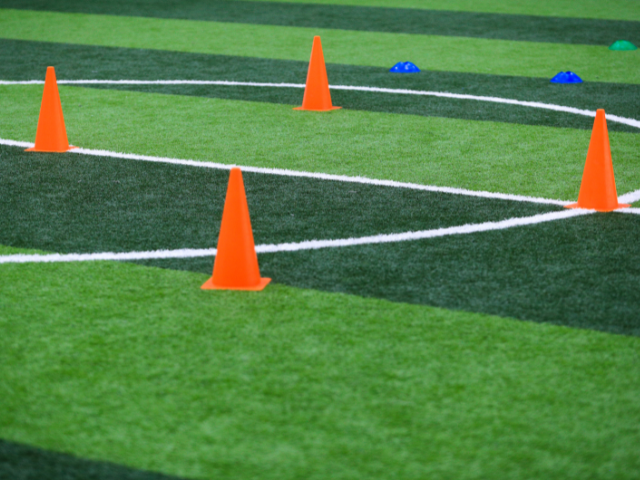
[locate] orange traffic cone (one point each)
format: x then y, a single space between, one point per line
236 263
598 187
316 92
51 135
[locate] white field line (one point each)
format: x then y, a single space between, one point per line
630 197
296 173
86 257
306 245
397 91
635 211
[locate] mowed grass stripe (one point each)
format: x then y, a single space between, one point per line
67 204
433 151
23 60
573 272
500 57
138 366
344 17
614 10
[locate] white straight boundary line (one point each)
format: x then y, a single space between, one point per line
635 211
306 245
630 197
296 173
121 256
397 91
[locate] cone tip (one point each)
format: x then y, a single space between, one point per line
601 118
235 173
51 74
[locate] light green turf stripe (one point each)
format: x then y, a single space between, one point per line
509 158
140 367
611 10
346 47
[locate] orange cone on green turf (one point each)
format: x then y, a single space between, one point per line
598 187
236 263
51 135
316 93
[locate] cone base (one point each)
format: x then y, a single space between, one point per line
35 149
317 110
620 205
209 285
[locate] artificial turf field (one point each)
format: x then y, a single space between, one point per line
510 353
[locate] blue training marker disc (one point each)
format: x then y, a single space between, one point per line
566 77
404 67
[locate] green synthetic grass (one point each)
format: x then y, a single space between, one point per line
71 203
615 10
139 366
344 17
500 57
18 461
24 60
135 365
434 151
574 272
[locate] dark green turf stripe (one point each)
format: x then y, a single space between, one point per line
20 60
73 203
396 20
576 272
24 462
572 272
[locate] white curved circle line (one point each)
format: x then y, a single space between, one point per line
459 96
